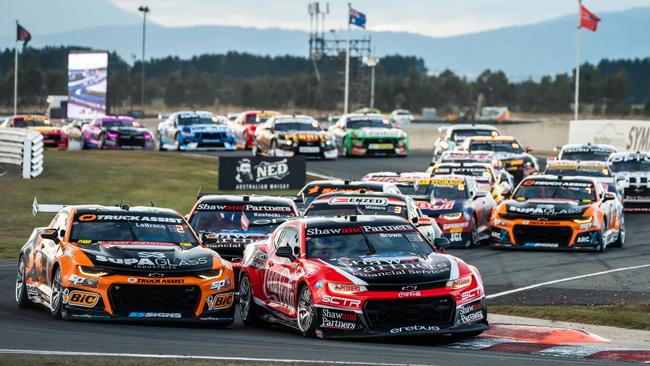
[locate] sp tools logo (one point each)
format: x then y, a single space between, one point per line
81 298
215 302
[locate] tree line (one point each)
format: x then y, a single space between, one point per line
246 80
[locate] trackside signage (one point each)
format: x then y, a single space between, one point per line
261 173
626 135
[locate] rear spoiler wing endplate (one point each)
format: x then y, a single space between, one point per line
39 208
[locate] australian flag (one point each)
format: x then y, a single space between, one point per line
357 18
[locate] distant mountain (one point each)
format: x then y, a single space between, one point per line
523 51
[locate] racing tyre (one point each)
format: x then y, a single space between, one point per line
159 142
306 317
247 309
603 238
177 142
255 149
21 291
273 147
621 235
474 240
343 151
56 301
101 141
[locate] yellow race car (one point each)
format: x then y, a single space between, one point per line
486 176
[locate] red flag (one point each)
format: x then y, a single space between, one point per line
22 34
588 19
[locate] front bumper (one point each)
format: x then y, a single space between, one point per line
550 235
458 232
129 142
378 146
339 323
316 151
206 141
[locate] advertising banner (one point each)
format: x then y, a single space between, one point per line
261 173
626 135
87 83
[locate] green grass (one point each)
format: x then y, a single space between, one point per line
622 316
19 360
103 177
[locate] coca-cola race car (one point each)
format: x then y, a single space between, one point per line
227 223
461 209
359 276
632 170
373 203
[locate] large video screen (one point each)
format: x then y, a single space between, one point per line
87 80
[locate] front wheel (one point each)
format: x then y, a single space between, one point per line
159 142
306 317
56 301
621 235
21 292
177 142
603 238
474 235
247 307
101 141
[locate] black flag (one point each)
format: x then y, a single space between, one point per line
22 34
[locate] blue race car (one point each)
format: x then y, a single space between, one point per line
194 131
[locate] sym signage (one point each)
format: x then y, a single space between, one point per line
261 173
626 135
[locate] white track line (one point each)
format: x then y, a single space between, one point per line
186 357
564 280
321 176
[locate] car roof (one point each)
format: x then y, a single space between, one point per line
589 146
568 178
198 113
472 127
628 154
578 163
255 199
29 116
292 117
372 115
123 210
491 138
435 177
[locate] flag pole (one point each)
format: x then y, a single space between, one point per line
347 66
16 75
577 86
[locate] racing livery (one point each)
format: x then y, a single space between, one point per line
293 135
52 136
515 159
486 177
246 123
368 134
455 135
489 157
359 276
315 188
632 170
553 212
373 203
193 130
123 263
588 151
227 223
461 209
116 133
599 170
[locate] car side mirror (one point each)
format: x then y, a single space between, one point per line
479 194
609 196
50 234
528 149
441 242
285 252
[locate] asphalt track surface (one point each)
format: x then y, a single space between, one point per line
501 270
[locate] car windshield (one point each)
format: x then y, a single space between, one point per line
586 155
31 122
117 123
218 221
579 171
481 174
297 126
252 119
497 146
630 166
368 122
127 230
461 135
329 210
188 120
566 190
329 247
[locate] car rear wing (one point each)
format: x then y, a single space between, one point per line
39 208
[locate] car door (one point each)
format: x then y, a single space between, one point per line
279 287
338 133
482 206
46 250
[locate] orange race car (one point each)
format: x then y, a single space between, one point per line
555 212
123 263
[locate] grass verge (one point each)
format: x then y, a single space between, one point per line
622 316
103 177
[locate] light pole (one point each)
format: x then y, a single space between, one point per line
145 11
371 62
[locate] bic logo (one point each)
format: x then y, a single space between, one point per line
81 298
219 302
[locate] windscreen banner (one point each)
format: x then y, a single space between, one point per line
87 84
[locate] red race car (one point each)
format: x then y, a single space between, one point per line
359 276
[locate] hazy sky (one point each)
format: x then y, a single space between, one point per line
430 17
